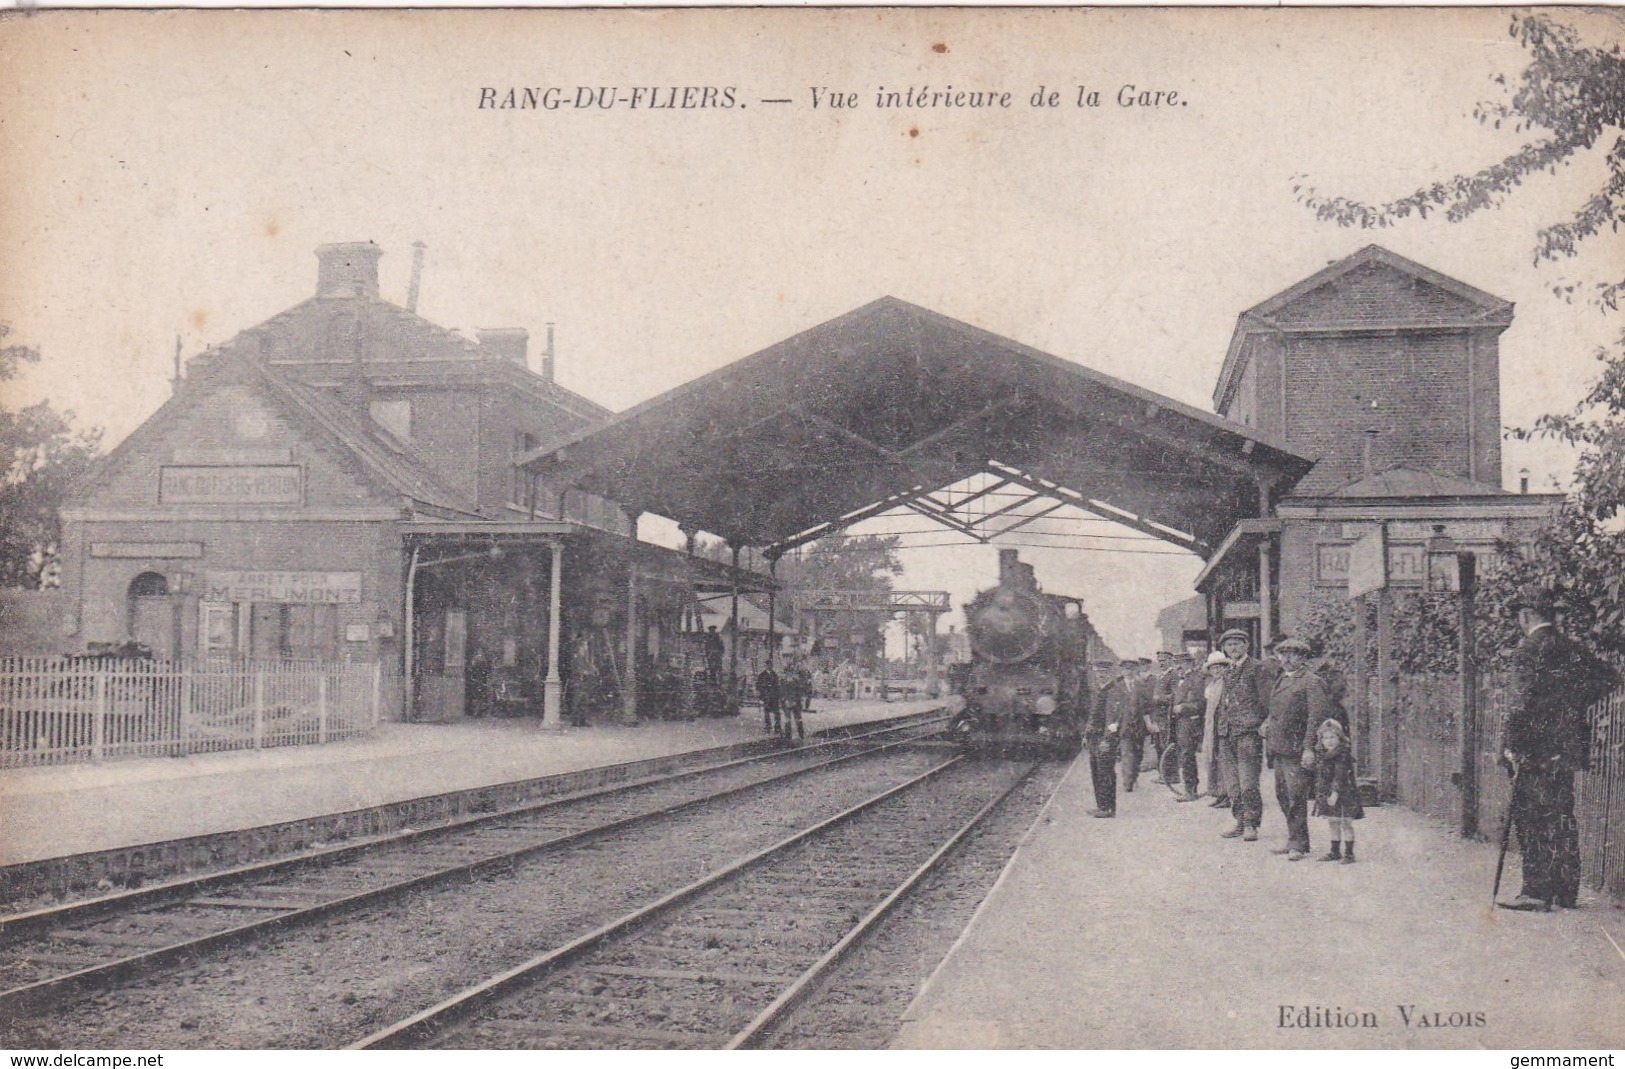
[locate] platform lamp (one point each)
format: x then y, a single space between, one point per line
1453 570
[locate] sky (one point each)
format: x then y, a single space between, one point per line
171 173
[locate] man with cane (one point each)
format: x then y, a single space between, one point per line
1548 739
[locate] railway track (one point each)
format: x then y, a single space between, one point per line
49 954
719 962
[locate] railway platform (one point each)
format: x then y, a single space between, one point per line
79 809
1150 931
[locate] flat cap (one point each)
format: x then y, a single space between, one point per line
1294 645
1235 632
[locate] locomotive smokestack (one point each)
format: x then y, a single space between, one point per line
1007 565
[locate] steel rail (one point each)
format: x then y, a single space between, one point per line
799 988
33 922
429 1023
29 996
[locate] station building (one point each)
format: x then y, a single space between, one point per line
348 481
1387 374
338 483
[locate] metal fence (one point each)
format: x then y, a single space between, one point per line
62 710
1427 714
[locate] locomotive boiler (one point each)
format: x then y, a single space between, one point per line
1028 685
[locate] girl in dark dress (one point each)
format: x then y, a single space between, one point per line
1337 796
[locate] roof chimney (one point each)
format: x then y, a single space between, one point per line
506 343
418 249
547 356
347 269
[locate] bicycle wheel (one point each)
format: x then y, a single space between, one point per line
1168 766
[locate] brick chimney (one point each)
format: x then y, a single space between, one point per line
347 269
506 343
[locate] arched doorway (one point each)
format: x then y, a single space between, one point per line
151 614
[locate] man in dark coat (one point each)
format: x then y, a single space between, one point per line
1548 738
1188 712
1142 700
1242 708
713 655
1103 732
767 689
791 699
1297 706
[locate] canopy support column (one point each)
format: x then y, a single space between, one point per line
733 624
1266 597
553 685
629 696
1266 586
931 654
772 605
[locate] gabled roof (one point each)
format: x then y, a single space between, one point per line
1477 305
891 401
386 464
1400 481
1372 289
379 452
386 340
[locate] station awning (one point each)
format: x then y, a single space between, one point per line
890 402
654 563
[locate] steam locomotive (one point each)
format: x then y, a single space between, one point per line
1028 685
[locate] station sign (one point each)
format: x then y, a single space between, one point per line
1366 564
240 484
288 588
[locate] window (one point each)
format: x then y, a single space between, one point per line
270 631
519 490
394 416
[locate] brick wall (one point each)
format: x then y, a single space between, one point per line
232 416
31 622
505 412
1374 294
1412 388
101 585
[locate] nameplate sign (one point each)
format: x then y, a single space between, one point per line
145 550
243 484
289 588
1361 565
1332 561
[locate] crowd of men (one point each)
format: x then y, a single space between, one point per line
1287 712
1248 713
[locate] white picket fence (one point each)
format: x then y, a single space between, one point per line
63 710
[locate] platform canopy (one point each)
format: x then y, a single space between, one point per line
884 407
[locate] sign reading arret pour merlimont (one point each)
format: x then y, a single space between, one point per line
293 588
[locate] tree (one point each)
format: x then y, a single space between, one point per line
837 562
43 455
1568 99
843 562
